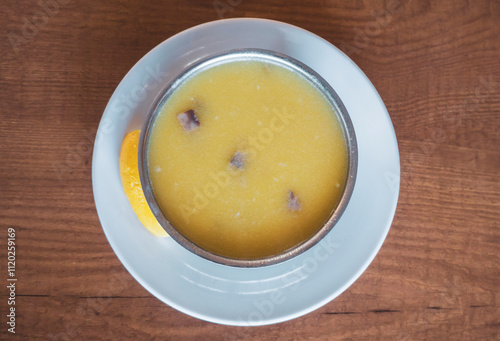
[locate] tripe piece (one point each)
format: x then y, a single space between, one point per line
188 120
293 202
238 160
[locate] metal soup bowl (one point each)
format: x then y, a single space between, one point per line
276 59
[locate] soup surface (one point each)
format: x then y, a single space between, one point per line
247 159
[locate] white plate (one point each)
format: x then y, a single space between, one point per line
277 293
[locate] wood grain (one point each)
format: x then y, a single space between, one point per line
436 64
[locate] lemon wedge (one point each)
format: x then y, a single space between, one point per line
129 172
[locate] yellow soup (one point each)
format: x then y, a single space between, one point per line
247 159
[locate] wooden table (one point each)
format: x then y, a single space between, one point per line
436 64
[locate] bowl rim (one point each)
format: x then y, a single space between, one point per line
275 58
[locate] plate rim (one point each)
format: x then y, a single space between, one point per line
303 310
